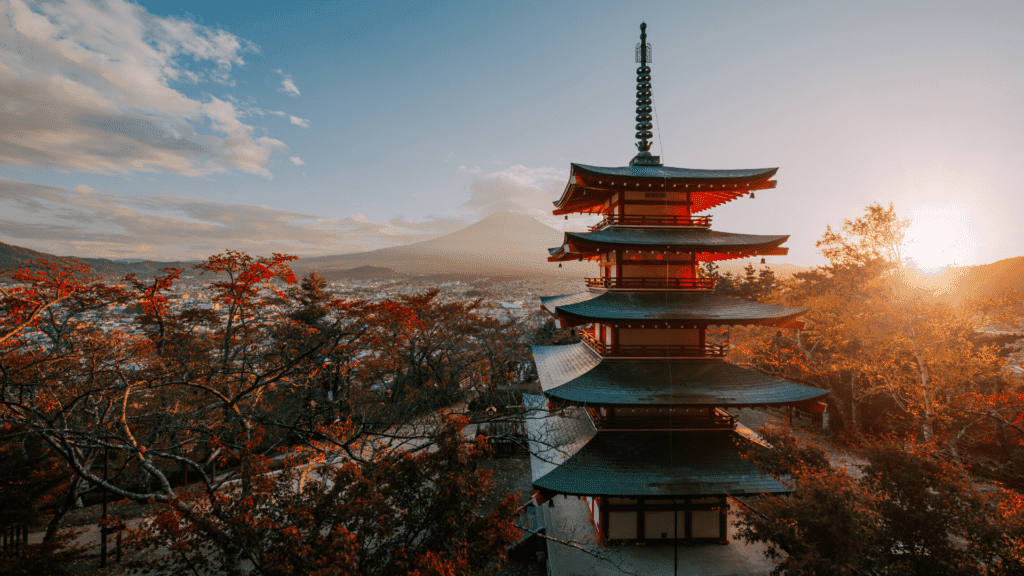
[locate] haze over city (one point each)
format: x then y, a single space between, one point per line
176 130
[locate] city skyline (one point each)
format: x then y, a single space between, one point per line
174 131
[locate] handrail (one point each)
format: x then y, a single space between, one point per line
652 283
652 220
652 350
663 422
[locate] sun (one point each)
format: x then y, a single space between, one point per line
939 237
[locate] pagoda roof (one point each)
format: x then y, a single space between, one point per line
569 456
687 308
575 373
698 240
590 186
660 463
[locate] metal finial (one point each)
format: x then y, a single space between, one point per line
643 103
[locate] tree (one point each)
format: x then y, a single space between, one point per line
755 284
869 336
910 513
401 513
825 526
194 406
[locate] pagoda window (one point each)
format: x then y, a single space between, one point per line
653 271
705 524
650 256
659 336
701 518
658 524
622 525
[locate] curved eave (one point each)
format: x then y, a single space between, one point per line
590 186
686 308
577 375
589 244
659 463
559 254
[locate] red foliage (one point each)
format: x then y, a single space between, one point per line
403 512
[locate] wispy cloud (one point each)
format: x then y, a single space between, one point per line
92 223
88 86
297 161
516 189
288 85
521 190
299 121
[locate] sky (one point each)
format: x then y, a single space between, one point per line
178 129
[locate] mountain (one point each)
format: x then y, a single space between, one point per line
503 244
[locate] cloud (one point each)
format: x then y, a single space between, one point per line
287 85
299 121
516 189
297 161
521 190
89 86
92 223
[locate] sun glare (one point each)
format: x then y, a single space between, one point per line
939 237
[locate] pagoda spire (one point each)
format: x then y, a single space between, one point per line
643 104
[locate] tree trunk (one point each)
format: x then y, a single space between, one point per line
927 432
70 498
854 403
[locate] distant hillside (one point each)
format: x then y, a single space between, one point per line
966 282
503 244
13 257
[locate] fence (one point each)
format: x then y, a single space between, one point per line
506 437
13 540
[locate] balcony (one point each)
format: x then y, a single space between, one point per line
660 220
624 418
626 284
654 350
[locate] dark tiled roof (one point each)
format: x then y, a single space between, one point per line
554 437
667 172
678 239
697 307
577 374
683 239
659 463
707 188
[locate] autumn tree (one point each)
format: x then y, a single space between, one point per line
754 284
909 512
193 406
400 513
871 336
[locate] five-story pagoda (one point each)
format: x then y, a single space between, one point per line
653 448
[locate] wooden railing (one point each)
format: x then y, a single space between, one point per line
660 220
719 420
652 350
652 283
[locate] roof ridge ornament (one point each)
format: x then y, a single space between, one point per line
643 103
